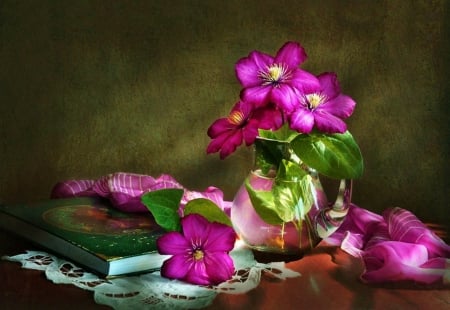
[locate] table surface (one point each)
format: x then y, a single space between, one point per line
329 280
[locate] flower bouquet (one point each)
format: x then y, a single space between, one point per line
295 120
283 103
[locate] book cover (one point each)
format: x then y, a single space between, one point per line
89 232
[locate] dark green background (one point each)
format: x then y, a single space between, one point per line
89 88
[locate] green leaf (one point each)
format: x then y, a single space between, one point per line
334 155
293 194
164 204
287 200
207 209
264 204
289 170
302 196
284 134
268 154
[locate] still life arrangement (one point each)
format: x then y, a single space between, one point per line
295 123
295 120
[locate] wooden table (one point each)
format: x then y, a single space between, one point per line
329 280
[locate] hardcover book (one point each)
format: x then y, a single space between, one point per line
89 232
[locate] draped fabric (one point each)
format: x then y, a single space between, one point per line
124 190
394 246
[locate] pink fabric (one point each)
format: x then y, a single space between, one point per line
395 246
125 190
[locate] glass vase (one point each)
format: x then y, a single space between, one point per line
303 215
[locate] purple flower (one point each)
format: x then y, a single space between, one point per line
200 252
242 124
324 108
275 79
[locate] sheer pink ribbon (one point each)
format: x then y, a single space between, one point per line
124 190
394 246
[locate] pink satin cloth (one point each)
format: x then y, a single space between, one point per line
124 190
395 246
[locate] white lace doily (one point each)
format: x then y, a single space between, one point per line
151 291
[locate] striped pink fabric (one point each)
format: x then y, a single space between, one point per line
125 190
395 246
73 188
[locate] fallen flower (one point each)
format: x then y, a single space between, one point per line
200 252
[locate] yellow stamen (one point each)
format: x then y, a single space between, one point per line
198 254
314 100
236 118
275 74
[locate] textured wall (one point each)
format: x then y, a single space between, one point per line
93 87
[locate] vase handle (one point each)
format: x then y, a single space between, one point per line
328 220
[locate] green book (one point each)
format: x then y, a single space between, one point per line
89 232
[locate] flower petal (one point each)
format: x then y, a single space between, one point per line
219 266
258 95
172 243
221 238
198 273
250 132
328 123
195 227
216 144
230 145
218 127
175 267
341 106
304 81
247 69
302 120
291 54
261 60
284 97
269 117
329 84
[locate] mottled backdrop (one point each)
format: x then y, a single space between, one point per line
93 87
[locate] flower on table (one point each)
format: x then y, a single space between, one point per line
324 107
200 253
275 79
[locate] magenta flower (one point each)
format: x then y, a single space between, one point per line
275 79
242 124
324 108
200 252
